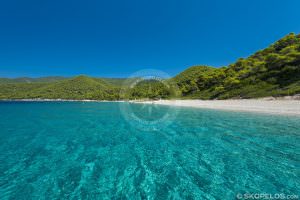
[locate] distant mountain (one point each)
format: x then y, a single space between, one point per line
80 87
48 79
274 71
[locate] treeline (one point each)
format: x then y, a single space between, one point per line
80 87
274 71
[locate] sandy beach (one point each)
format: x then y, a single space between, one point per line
282 107
272 106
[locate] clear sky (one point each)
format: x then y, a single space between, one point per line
115 38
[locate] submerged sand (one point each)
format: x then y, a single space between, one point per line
283 107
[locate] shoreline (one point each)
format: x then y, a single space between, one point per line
60 100
282 106
277 106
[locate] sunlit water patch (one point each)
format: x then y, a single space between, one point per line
77 150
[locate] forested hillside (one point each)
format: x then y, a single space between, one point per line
80 87
274 71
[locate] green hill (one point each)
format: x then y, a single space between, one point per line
48 79
151 89
118 82
195 79
19 90
81 87
114 81
274 71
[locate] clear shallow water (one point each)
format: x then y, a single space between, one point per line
60 150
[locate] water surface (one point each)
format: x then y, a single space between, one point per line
76 150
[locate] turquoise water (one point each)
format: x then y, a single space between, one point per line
75 150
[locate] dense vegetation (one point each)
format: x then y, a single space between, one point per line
274 71
80 87
151 89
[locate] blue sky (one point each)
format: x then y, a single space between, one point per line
115 38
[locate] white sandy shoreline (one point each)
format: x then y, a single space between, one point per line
275 106
281 107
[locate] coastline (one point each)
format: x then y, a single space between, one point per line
60 100
281 106
277 106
